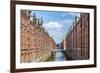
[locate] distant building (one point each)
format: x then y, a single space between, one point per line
59 46
64 44
36 44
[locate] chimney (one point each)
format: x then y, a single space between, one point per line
75 19
28 14
41 21
34 19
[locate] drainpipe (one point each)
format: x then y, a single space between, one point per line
76 33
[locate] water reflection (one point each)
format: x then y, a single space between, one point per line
57 56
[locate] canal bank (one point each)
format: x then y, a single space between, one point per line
68 57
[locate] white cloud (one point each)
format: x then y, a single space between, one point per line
55 30
57 35
53 25
58 30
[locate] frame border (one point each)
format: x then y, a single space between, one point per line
13 35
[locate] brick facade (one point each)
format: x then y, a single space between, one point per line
36 44
77 39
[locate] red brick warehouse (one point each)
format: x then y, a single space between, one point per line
76 41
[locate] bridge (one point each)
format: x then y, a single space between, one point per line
58 50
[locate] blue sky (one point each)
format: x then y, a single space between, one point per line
56 23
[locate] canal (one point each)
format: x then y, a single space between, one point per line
57 56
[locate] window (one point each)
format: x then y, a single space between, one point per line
22 54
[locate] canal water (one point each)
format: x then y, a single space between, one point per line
57 56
